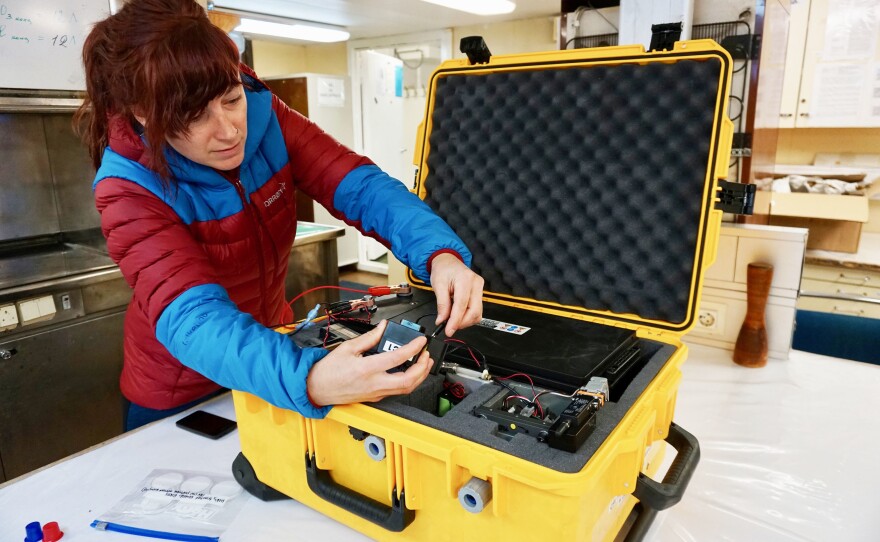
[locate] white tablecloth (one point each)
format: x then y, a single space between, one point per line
787 454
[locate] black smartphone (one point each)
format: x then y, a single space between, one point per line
206 424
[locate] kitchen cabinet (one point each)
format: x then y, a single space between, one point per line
59 391
832 68
841 290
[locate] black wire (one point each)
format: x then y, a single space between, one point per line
419 319
599 13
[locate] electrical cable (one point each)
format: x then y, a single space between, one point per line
419 319
421 58
599 13
470 350
527 377
289 308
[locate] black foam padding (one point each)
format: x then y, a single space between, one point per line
579 185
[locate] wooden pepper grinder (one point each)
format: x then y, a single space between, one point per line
751 344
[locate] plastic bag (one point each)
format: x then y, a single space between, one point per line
196 504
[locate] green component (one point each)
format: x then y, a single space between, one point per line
444 405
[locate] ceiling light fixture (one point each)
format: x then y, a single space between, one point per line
264 24
294 30
478 7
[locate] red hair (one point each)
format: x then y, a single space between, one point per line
162 60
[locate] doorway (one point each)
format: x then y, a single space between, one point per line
389 81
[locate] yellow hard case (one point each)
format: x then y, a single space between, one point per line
528 502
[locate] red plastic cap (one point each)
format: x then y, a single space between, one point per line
52 532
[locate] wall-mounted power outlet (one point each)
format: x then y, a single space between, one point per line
8 317
710 318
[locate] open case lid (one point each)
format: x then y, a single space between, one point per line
583 181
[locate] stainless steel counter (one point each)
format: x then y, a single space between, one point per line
59 390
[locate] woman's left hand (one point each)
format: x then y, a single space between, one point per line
459 293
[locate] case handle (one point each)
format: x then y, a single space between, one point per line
662 495
654 496
394 518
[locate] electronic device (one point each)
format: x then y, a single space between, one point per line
562 421
206 424
561 354
397 335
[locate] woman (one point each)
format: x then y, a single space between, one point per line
198 164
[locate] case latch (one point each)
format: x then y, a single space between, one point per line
664 36
737 198
476 49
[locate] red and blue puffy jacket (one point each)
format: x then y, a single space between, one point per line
207 258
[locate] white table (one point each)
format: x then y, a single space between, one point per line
787 454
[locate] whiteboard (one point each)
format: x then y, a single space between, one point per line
41 42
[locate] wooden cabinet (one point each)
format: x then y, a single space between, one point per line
832 61
841 290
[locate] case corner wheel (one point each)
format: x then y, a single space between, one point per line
246 477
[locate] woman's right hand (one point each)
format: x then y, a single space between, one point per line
346 375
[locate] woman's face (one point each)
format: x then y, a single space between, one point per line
216 137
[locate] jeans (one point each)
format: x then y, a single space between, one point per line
135 416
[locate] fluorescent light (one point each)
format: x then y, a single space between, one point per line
479 7
294 30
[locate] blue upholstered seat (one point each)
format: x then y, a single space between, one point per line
838 335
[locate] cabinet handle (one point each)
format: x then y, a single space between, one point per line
838 310
786 115
840 296
863 279
805 114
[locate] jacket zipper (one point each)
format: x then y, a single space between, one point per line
116 527
250 212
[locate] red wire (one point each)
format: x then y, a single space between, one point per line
537 404
288 309
468 348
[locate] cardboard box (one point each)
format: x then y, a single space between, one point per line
834 220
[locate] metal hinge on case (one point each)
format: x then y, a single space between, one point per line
737 198
742 145
476 49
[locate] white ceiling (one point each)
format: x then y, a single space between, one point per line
372 18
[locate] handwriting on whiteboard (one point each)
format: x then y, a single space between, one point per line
19 28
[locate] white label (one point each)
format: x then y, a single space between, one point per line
187 496
504 326
389 346
331 92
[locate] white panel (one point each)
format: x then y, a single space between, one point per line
637 16
787 259
41 42
779 320
46 305
725 261
794 61
29 310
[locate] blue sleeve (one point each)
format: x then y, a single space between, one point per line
383 205
205 331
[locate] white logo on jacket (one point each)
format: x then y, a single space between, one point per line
274 197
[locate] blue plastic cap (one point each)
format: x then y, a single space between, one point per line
33 531
411 325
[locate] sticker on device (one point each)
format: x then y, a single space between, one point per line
503 326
